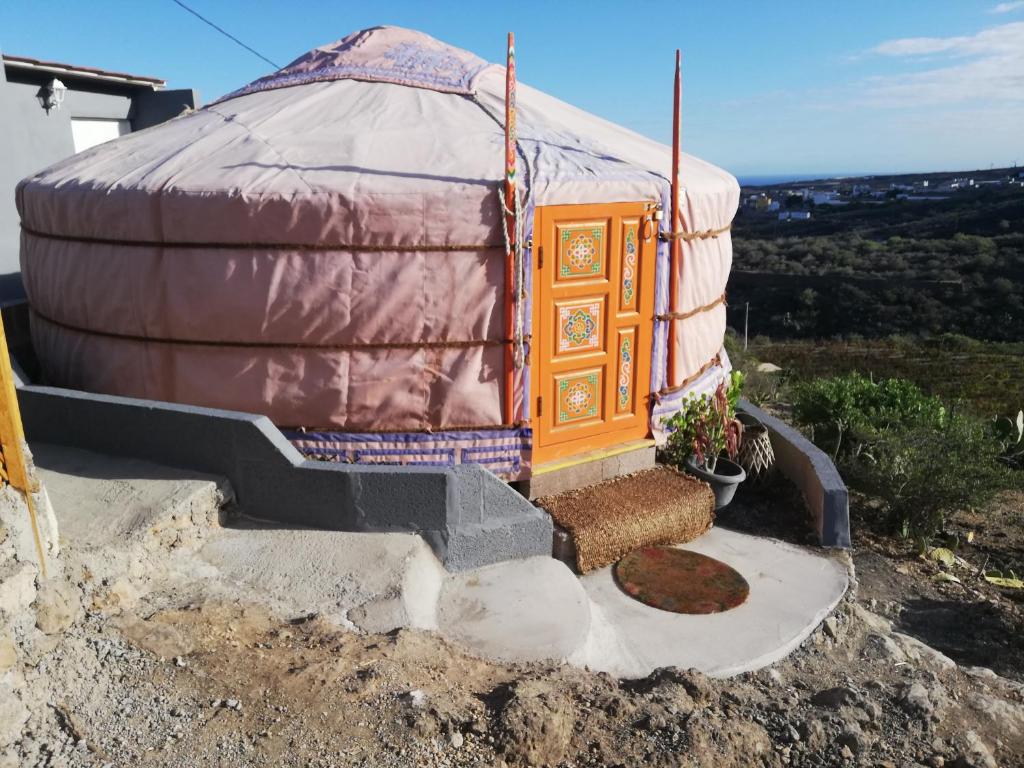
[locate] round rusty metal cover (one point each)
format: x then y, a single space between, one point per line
680 581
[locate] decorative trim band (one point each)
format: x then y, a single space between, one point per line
271 344
313 433
439 248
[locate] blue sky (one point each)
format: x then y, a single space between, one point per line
769 87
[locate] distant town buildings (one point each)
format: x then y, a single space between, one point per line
795 203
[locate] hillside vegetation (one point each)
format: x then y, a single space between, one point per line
872 270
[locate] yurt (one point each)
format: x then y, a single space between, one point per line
335 246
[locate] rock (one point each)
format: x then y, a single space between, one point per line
919 652
457 739
415 698
694 683
234 704
812 732
915 699
846 752
981 673
834 698
791 734
936 761
776 677
975 753
883 647
58 606
852 737
116 597
536 725
17 588
873 710
8 652
831 627
1004 714
13 714
179 662
918 700
872 621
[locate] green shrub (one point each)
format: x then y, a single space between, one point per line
845 411
892 441
926 472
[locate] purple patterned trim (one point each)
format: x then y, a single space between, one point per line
659 354
295 435
505 452
404 64
448 453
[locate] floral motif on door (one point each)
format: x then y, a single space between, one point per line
625 391
579 327
577 398
581 252
629 267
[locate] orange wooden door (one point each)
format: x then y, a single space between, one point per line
593 320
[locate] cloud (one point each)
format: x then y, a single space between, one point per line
985 67
1009 7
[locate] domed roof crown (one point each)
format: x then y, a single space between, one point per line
380 54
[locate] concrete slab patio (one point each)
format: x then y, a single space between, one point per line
792 590
165 529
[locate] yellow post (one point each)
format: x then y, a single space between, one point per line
13 468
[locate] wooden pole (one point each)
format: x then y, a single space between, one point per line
13 467
510 227
746 324
676 244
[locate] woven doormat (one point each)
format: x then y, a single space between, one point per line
606 521
680 581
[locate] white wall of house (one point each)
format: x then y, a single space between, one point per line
88 132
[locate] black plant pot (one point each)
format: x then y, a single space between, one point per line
723 481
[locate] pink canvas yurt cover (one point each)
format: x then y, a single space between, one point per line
324 246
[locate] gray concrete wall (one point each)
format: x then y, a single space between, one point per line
812 471
31 139
469 516
154 107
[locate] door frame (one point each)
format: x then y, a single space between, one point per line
606 435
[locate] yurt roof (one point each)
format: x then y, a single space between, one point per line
387 136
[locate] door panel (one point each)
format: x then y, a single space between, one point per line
593 319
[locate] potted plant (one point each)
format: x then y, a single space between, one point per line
705 437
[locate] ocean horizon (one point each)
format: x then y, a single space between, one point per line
760 180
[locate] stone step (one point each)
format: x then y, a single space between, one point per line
587 469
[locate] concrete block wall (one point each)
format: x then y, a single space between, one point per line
813 472
469 516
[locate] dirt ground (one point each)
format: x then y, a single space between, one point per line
164 678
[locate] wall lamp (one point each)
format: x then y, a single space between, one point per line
51 95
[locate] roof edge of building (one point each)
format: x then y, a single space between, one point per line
59 68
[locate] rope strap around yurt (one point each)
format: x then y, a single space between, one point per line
685 315
519 276
665 391
362 247
688 237
455 344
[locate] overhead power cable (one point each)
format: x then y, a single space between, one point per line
226 34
